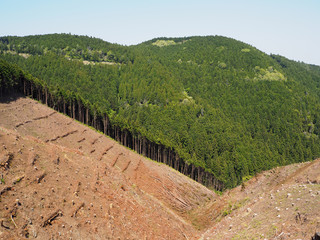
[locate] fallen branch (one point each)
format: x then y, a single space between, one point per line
52 217
34 158
108 148
127 165
116 159
62 136
77 210
43 117
53 139
6 160
2 225
184 204
138 165
6 189
69 133
18 180
186 237
105 152
78 189
94 141
13 221
81 140
40 177
20 124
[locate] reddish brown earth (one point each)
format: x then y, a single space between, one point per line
122 194
63 180
283 203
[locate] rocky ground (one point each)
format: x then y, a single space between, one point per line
63 180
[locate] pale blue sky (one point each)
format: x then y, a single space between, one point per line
287 27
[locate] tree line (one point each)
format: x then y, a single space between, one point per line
217 103
14 79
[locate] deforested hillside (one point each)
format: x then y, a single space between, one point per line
211 102
61 179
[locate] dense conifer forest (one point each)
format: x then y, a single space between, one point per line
195 103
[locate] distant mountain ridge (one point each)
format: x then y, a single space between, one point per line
219 103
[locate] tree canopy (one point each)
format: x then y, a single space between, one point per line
220 103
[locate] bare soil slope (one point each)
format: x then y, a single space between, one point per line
283 203
63 180
94 187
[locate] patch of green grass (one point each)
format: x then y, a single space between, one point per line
218 192
245 50
246 178
231 207
269 74
163 43
272 231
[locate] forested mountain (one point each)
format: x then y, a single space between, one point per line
216 102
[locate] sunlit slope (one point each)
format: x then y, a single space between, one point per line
219 103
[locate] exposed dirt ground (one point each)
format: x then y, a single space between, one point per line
63 180
102 189
283 203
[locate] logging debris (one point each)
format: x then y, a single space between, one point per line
6 160
62 136
6 189
105 152
34 157
44 117
77 210
2 225
13 221
18 180
40 177
94 141
115 160
52 217
78 189
127 165
21 124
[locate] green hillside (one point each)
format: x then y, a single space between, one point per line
219 103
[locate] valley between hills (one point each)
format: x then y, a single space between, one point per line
63 180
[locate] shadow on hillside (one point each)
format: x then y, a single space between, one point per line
10 97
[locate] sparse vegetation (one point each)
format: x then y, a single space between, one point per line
245 50
268 74
164 43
